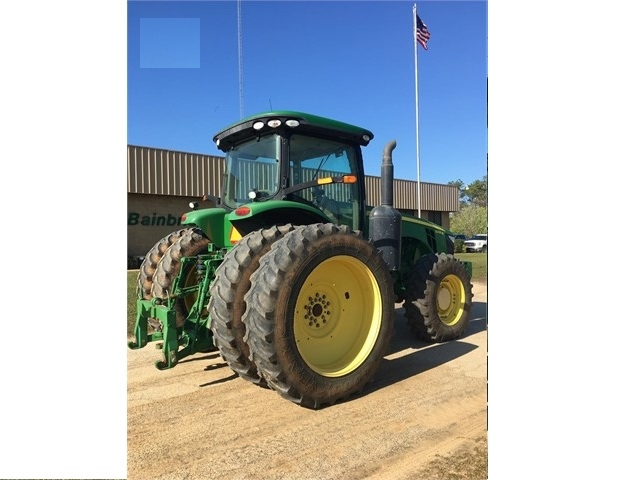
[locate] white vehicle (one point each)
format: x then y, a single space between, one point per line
479 243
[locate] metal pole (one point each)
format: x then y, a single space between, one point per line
417 111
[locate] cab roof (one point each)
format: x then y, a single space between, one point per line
286 121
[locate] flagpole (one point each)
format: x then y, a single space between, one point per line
417 111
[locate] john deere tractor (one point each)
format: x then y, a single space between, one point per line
291 276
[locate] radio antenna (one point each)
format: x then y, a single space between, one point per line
240 55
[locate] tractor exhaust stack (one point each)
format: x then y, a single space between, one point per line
386 221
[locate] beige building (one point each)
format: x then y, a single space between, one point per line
161 183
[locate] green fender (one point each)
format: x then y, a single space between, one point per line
213 222
218 223
256 215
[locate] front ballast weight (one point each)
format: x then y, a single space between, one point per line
159 315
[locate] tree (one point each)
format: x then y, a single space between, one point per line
473 215
462 188
471 219
476 193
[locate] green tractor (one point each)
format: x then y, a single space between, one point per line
291 276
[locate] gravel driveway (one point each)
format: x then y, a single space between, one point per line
424 416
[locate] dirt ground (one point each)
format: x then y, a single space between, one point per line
423 417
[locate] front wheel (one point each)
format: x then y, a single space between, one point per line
320 314
438 298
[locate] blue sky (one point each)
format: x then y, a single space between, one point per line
349 60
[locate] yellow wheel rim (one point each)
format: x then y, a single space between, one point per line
337 317
450 300
190 279
190 299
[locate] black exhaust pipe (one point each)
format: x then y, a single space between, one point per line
386 221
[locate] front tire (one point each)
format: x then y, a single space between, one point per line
439 298
227 304
320 314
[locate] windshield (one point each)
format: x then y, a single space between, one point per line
314 158
251 167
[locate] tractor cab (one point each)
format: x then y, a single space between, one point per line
296 157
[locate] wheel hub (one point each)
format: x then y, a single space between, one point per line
317 311
444 298
449 300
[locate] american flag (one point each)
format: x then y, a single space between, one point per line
423 34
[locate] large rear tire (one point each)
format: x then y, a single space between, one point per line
439 298
151 260
191 242
320 314
227 304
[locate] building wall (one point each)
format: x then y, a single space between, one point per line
158 171
152 217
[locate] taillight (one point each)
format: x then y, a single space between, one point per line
242 211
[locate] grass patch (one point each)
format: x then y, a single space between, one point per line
132 299
480 264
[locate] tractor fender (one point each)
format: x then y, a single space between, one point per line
253 216
213 222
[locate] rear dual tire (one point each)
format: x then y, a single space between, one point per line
321 316
151 260
191 242
227 303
